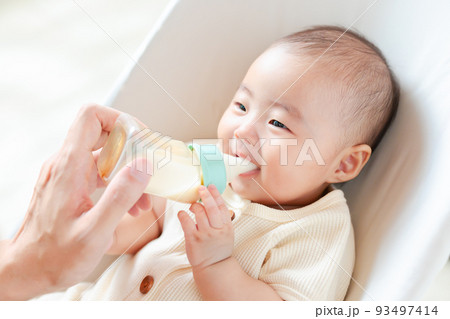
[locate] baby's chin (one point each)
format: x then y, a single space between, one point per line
240 189
248 193
247 190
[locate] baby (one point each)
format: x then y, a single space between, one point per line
309 113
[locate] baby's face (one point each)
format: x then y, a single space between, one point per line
273 136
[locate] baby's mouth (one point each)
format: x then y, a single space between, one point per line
253 172
247 158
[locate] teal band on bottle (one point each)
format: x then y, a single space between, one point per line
213 168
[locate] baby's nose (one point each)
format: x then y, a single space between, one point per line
247 133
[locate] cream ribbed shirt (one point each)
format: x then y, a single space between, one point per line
305 253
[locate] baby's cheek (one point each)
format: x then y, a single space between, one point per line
276 177
224 128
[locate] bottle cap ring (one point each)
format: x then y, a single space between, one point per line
213 167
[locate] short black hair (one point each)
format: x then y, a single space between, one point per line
366 82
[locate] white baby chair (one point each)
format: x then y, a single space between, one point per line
199 52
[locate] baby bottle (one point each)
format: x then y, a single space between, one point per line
178 169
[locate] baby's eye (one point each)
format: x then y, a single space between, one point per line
241 106
277 124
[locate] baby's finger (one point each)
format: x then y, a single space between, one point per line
187 223
212 211
200 216
224 212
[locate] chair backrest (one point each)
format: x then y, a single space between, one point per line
199 53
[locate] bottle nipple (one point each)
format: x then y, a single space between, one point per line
235 166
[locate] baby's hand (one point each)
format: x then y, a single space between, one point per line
212 239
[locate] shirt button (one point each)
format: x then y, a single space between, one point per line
232 214
146 284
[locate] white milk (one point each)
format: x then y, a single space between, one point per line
177 178
177 172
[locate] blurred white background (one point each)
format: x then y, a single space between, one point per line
53 59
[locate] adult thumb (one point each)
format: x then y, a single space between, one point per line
121 194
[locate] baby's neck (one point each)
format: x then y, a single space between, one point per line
284 207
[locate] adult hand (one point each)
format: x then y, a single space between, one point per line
64 236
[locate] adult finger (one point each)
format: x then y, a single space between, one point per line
134 211
143 203
91 126
100 182
120 195
96 155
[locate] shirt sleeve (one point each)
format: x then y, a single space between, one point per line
314 261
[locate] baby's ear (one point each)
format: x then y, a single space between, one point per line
350 162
